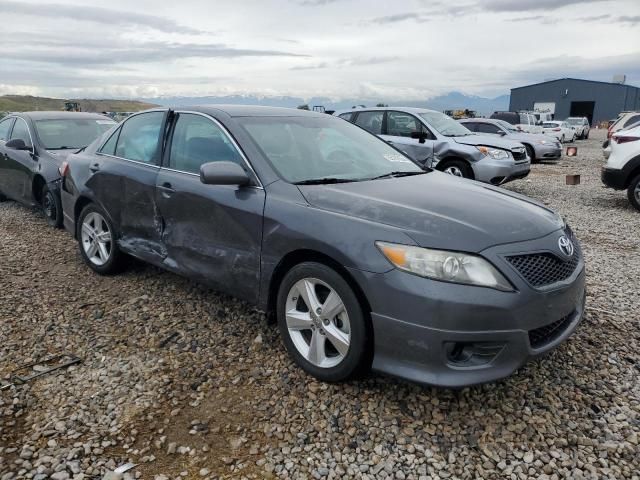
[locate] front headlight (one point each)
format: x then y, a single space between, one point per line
446 266
494 152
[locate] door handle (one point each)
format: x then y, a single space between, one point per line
95 167
167 189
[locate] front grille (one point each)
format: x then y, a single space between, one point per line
519 154
542 269
539 337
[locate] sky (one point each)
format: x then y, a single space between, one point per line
393 50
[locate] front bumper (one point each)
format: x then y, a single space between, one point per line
454 335
498 172
613 178
548 152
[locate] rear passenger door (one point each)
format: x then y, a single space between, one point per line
400 127
124 182
211 232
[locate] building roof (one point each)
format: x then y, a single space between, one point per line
575 80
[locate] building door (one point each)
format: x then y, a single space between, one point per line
582 109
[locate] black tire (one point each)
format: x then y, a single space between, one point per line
531 152
2 198
115 260
633 192
357 360
462 166
586 135
51 207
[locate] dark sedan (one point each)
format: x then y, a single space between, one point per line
365 260
32 148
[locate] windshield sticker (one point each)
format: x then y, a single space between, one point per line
396 158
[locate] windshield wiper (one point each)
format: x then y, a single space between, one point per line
325 181
398 174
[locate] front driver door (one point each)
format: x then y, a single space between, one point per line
400 128
211 232
5 130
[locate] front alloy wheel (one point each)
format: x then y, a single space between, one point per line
51 207
318 323
322 323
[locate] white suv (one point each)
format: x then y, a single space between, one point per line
622 170
581 124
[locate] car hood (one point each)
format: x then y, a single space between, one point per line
487 140
437 210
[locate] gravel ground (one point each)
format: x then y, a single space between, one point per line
189 383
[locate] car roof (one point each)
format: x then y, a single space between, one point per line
53 115
252 111
414 110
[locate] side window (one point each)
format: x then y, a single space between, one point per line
21 131
370 121
632 119
473 126
5 126
197 140
488 128
402 124
110 147
139 137
346 116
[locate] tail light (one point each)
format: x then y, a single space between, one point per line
63 169
624 139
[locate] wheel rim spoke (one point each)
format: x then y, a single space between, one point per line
338 339
93 249
104 252
316 353
308 292
332 306
298 320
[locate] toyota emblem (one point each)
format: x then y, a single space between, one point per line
566 246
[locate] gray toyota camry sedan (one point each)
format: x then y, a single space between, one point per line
365 260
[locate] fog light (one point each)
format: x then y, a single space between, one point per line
472 354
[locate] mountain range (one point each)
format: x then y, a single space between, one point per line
449 101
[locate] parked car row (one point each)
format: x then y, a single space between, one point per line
365 258
569 130
434 140
33 146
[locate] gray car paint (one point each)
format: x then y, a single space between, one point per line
249 235
434 152
551 150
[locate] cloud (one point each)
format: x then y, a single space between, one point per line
347 62
633 20
530 5
315 3
545 19
96 15
400 17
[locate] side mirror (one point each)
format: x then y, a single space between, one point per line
17 144
223 173
421 136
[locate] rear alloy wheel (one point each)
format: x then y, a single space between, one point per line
457 168
97 243
322 323
51 207
633 192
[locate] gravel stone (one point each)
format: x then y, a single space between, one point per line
159 351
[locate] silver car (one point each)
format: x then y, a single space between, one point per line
435 140
539 146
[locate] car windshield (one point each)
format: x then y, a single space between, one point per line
507 126
71 133
574 121
445 125
324 150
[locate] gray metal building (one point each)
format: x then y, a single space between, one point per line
572 97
